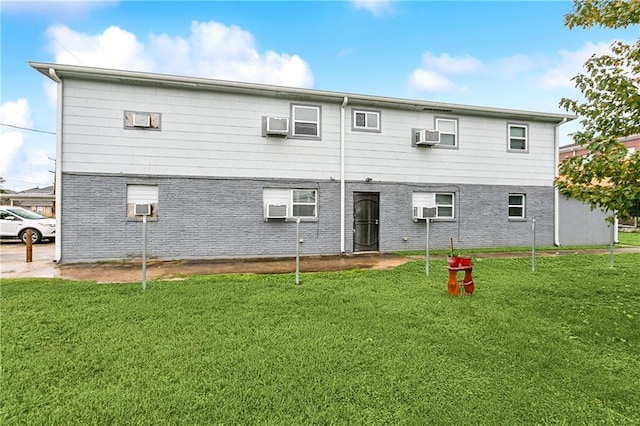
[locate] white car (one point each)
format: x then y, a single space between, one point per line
15 221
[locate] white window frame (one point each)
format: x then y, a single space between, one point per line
438 206
519 206
314 204
286 196
510 138
455 133
367 113
295 121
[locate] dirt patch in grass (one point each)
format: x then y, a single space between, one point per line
131 271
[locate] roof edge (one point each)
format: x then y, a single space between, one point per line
63 70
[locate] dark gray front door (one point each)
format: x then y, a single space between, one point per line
365 221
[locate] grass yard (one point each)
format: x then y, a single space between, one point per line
558 346
629 239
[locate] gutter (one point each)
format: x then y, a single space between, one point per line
342 173
58 169
556 193
199 83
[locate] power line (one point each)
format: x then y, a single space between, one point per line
27 128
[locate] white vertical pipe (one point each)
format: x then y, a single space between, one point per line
342 173
298 251
556 194
58 167
426 268
144 252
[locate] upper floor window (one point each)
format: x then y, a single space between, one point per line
516 206
306 121
448 129
366 120
518 137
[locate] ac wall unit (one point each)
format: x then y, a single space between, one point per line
141 120
276 211
427 137
142 209
277 126
421 212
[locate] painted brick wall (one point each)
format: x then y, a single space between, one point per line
216 218
197 218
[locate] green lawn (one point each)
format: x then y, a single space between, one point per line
629 239
558 346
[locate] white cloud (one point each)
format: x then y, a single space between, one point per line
570 64
11 139
114 48
446 64
435 73
375 7
212 50
429 81
16 113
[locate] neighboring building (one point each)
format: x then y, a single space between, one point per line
632 143
573 150
228 167
38 200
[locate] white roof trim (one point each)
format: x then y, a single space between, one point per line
147 78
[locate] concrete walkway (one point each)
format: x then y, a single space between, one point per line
13 265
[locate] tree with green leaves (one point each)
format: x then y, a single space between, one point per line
608 177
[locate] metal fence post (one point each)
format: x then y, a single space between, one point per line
533 246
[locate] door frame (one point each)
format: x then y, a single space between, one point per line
375 195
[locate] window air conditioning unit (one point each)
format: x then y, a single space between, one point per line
141 120
277 126
421 212
276 211
142 209
427 137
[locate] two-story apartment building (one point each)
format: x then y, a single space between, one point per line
229 167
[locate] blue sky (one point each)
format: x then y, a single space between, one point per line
508 54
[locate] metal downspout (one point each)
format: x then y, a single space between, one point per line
556 194
58 167
342 174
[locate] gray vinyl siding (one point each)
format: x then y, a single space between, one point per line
204 133
579 225
202 217
215 134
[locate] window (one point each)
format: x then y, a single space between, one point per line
448 131
297 202
518 137
306 121
444 205
303 202
366 120
442 201
516 206
142 194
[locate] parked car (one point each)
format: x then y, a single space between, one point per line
15 221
